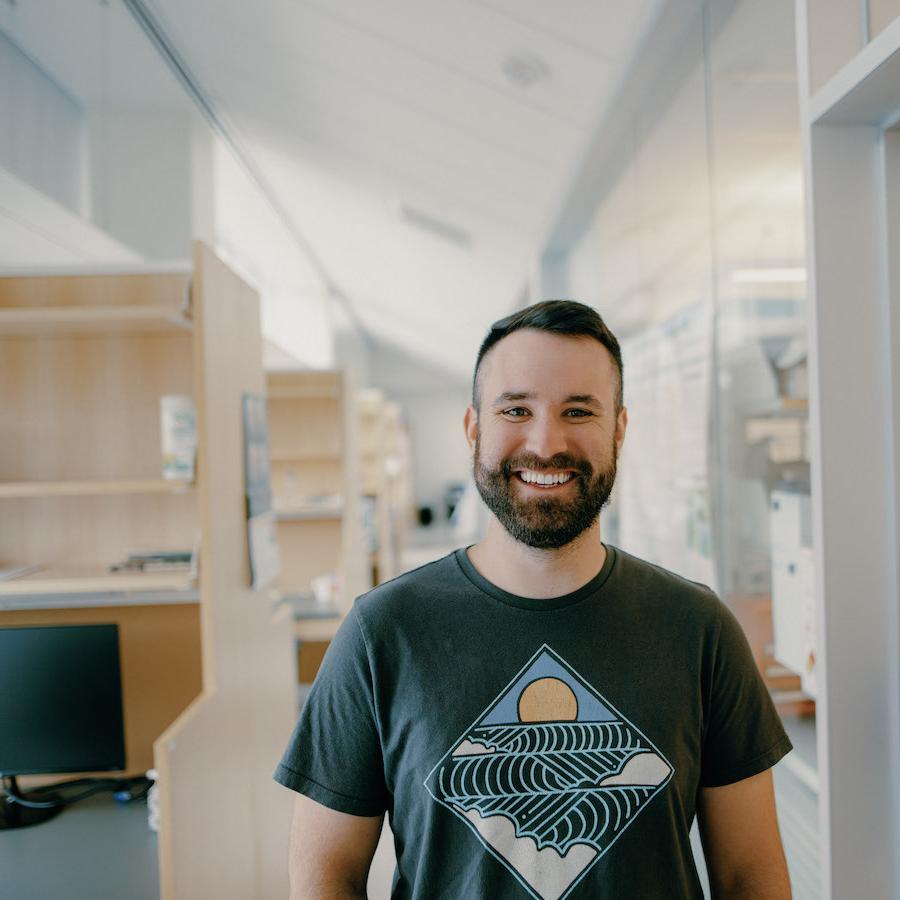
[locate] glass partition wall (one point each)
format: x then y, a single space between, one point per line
695 256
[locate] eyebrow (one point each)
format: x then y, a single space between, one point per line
586 399
512 396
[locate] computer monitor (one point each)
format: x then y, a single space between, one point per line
60 700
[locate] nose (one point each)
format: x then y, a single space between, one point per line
546 437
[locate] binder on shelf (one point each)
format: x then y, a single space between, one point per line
262 534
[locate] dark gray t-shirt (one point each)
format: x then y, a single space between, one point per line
535 748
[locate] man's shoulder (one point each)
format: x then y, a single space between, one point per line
643 575
415 585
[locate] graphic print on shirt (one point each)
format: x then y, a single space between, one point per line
549 776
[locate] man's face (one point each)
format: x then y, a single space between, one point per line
547 436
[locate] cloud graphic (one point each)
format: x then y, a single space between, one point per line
547 871
472 748
645 769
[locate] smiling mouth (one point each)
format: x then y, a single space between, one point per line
544 480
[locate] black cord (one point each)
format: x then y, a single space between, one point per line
121 786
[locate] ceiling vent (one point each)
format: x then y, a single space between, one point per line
435 226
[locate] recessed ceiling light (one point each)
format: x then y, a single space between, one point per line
524 69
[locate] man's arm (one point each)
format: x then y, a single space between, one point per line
331 852
741 843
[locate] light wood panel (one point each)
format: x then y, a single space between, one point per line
94 532
224 822
168 290
91 488
311 384
159 648
61 321
291 481
316 630
87 408
72 580
315 478
310 426
308 549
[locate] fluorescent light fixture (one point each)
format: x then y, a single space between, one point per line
795 275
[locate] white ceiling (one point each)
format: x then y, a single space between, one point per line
365 118
353 110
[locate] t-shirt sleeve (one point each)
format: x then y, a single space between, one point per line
334 755
743 735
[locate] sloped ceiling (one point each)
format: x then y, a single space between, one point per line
420 146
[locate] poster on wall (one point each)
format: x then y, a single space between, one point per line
664 497
262 534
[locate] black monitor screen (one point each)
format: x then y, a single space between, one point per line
60 700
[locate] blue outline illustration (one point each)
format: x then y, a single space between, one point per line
549 798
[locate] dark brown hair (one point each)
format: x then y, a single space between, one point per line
564 317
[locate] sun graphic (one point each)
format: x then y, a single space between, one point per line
548 700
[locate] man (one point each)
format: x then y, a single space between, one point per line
541 714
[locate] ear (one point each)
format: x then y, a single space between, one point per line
621 426
470 423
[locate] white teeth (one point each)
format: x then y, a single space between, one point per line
540 478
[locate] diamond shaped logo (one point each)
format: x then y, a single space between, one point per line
549 776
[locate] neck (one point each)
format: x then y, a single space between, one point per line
539 574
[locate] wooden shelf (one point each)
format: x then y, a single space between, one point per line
275 392
90 320
308 514
304 385
298 456
316 629
92 488
83 581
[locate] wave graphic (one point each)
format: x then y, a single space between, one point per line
542 737
545 778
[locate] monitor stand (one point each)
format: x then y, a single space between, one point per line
14 815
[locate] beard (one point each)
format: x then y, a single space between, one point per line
545 522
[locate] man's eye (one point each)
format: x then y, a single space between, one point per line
578 413
516 412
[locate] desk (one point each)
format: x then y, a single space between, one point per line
97 849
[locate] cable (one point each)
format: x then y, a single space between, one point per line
121 788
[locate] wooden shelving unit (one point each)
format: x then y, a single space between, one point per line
207 667
86 359
386 481
315 488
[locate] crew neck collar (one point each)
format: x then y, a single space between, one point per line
535 603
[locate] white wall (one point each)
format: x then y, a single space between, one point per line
440 452
256 243
42 131
140 180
